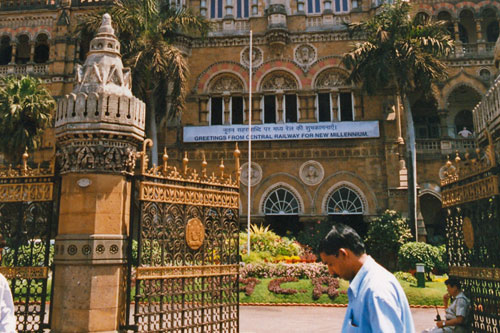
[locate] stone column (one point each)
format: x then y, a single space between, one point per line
203 104
98 129
256 109
32 52
13 55
227 110
279 108
481 46
334 95
306 106
443 114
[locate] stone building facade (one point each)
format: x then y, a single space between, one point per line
300 172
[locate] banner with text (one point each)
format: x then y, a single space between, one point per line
290 131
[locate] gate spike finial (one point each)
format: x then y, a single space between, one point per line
221 168
237 163
165 160
204 166
185 162
25 162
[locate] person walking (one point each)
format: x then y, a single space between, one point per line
377 302
7 316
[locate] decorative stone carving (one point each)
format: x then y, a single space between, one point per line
106 156
279 81
195 233
99 125
311 173
226 83
255 175
331 78
90 249
305 54
257 57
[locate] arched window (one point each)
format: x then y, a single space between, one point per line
492 32
5 50
335 100
226 96
23 50
422 17
41 49
445 16
281 202
282 106
463 119
344 201
467 27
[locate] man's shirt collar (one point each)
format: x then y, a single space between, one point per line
355 283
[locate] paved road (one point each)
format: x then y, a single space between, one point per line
306 319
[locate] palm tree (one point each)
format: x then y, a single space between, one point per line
404 54
147 30
25 111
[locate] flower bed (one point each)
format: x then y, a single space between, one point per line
269 270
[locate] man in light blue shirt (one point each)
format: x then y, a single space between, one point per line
377 303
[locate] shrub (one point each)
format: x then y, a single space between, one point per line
262 239
275 286
417 252
248 285
332 284
386 234
313 234
405 276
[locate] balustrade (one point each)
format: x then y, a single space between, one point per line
27 4
36 69
488 110
444 146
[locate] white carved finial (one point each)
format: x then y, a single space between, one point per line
106 25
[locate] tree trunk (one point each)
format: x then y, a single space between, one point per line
153 132
411 165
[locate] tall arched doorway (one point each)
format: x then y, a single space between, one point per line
344 205
281 209
434 218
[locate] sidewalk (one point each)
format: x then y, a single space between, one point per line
305 319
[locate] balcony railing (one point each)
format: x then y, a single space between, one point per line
327 21
473 50
32 69
487 112
445 146
86 3
27 4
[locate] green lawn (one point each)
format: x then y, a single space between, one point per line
431 295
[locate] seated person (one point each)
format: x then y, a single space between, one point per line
456 313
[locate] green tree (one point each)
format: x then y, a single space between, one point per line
148 30
402 53
25 111
386 234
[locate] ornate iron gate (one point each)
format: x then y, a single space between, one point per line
471 198
186 274
28 223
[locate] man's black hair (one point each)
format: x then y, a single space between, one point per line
341 236
453 282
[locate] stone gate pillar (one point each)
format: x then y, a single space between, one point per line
98 128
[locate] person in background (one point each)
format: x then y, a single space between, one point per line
456 313
377 302
465 133
7 317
